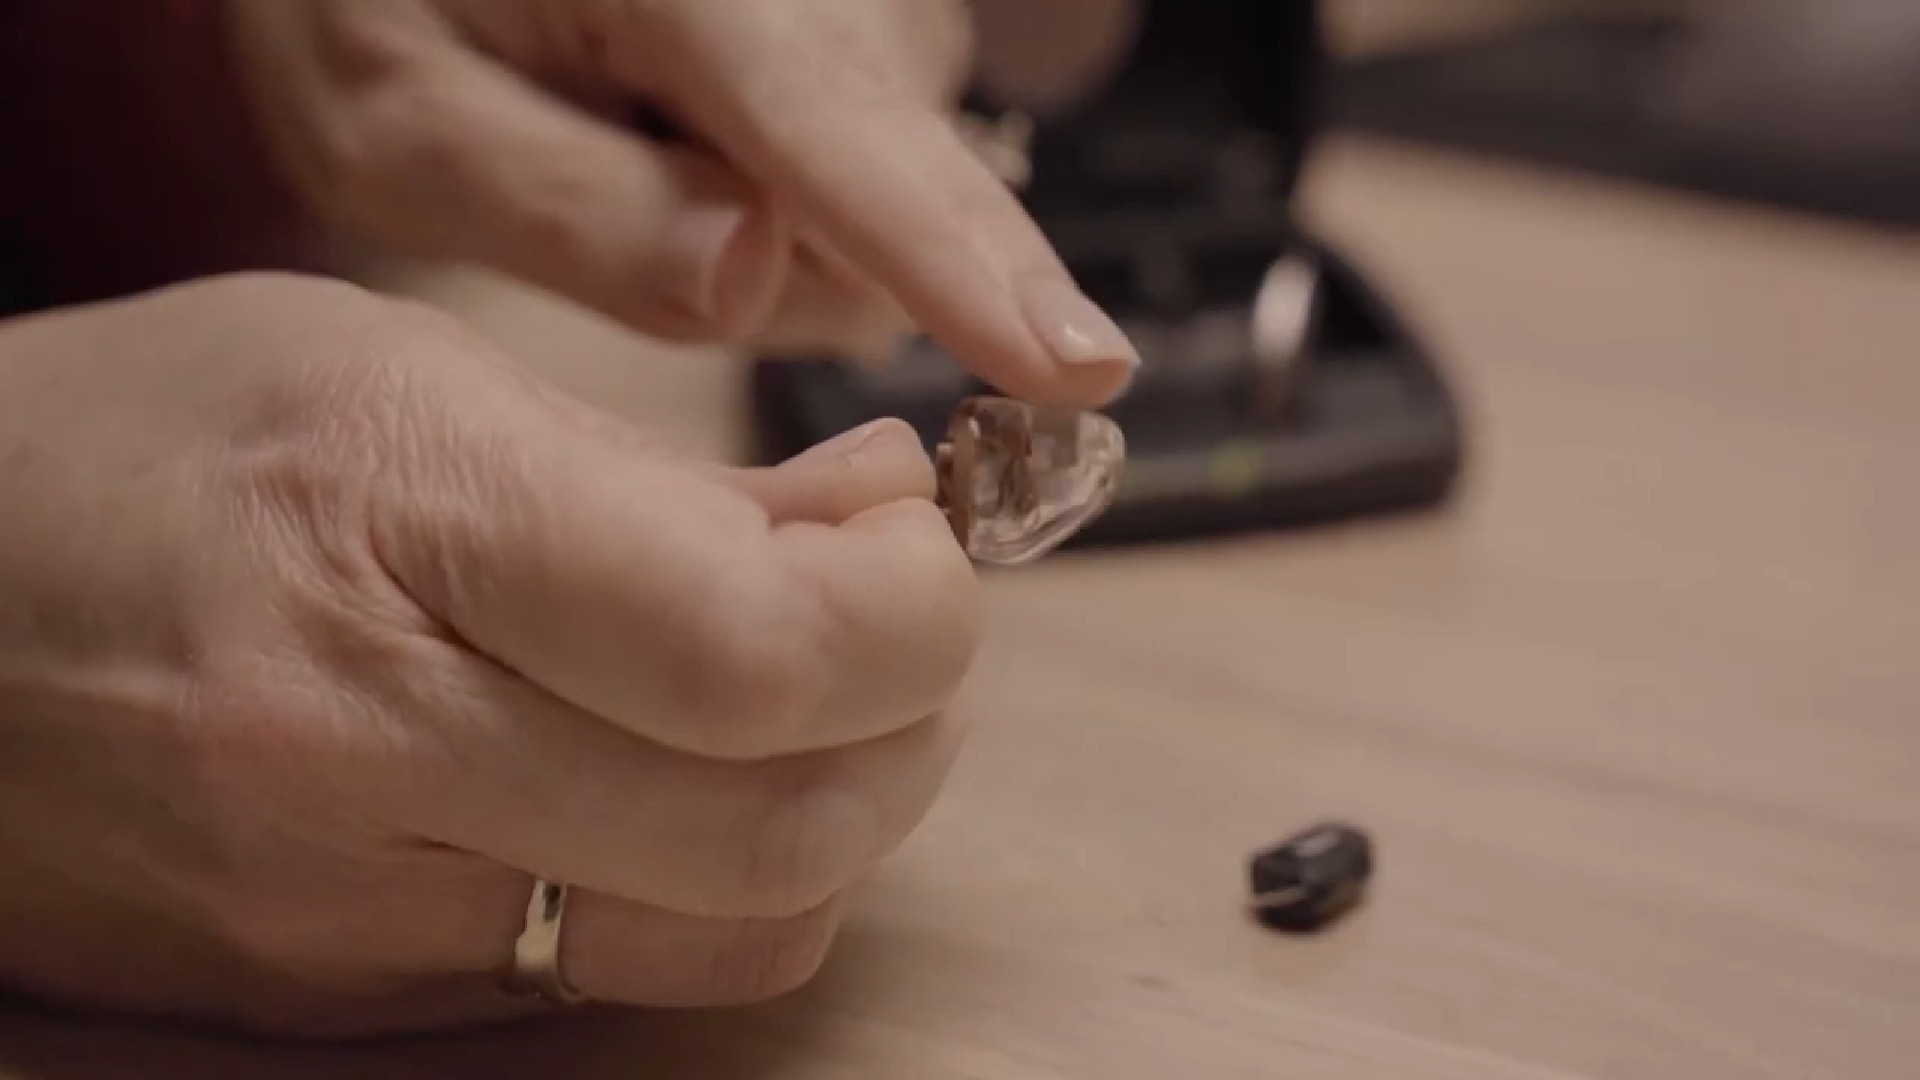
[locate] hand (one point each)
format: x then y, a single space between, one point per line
824 184
324 630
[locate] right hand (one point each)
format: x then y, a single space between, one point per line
324 631
825 195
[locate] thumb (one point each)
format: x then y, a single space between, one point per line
872 465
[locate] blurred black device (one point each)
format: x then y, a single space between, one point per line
21 291
1168 195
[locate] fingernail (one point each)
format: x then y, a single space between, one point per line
845 444
1072 327
703 252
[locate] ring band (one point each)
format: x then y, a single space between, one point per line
535 971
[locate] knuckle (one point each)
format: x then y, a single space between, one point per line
395 135
256 733
806 845
771 958
306 429
335 165
754 670
947 586
418 322
397 131
330 170
554 222
273 290
283 307
292 936
368 42
414 336
354 377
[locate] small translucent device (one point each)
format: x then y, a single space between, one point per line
1018 480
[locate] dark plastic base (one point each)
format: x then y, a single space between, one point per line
1168 197
1370 426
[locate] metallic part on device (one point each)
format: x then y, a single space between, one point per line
1018 480
1285 317
1277 898
953 463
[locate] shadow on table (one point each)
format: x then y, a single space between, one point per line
37 1045
792 1038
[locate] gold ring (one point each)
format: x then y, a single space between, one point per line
535 971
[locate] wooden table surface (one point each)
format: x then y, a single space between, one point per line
1636 723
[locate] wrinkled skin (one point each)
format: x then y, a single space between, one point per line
323 630
326 629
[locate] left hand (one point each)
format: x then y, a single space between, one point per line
823 197
323 630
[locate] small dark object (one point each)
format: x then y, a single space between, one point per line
1312 878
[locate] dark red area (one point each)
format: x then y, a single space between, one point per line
129 156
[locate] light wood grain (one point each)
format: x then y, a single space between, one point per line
1636 723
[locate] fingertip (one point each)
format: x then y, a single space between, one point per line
881 459
1058 348
889 432
874 464
1092 385
895 460
1084 385
1073 328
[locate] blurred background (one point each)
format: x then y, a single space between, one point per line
1178 160
1606 318
1813 104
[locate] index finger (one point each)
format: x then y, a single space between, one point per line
814 102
